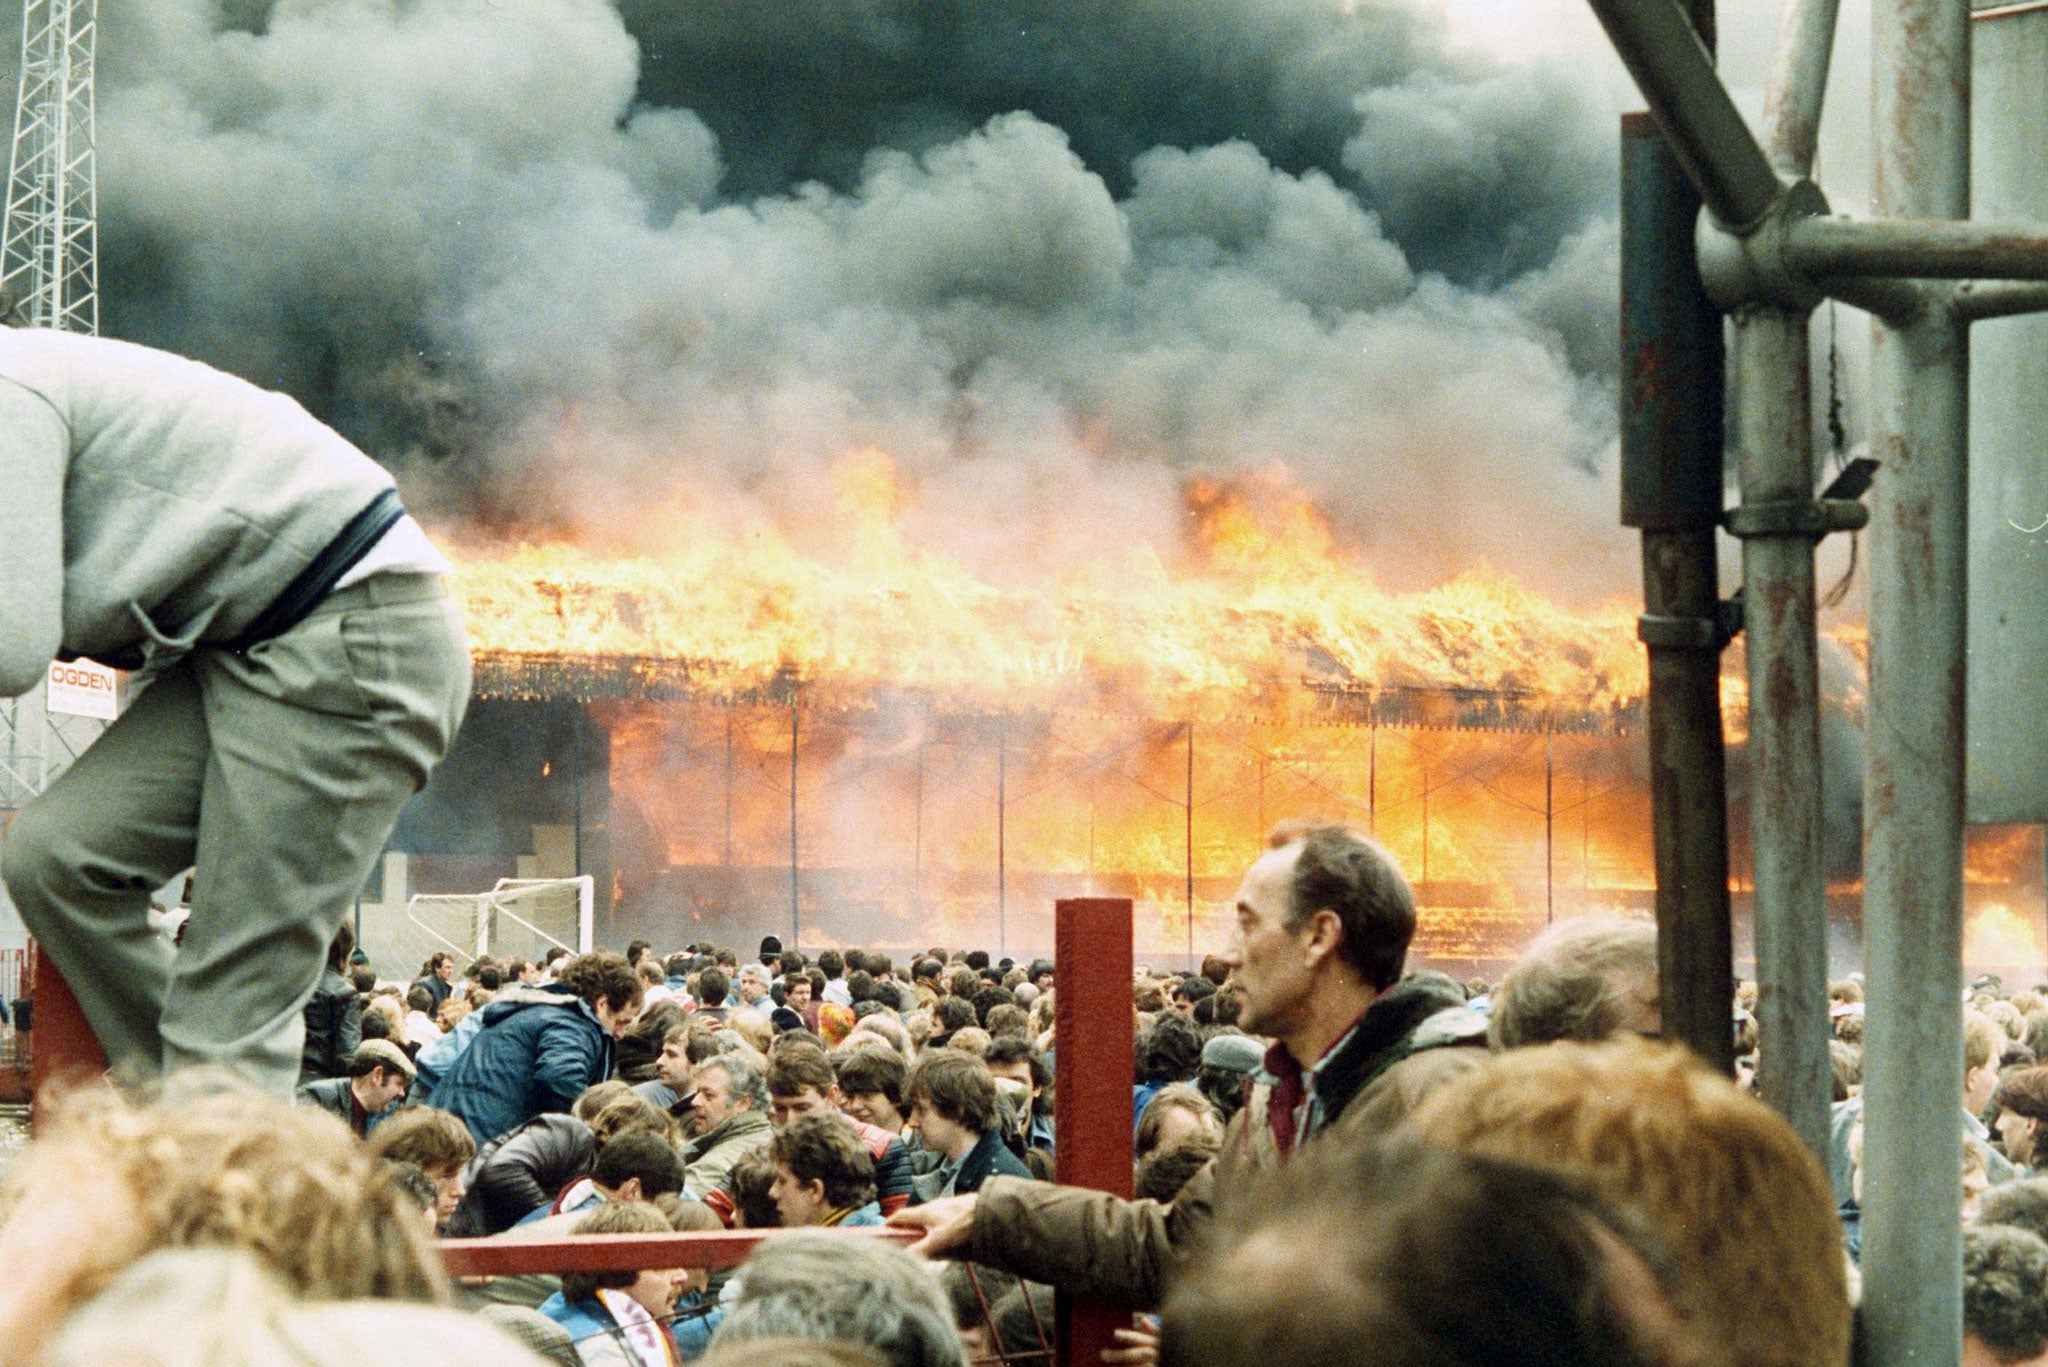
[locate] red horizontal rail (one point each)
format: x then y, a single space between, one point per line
511 1257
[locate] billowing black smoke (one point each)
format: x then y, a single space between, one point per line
552 259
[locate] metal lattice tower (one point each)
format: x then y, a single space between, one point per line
50 259
49 269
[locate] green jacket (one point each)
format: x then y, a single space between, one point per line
710 1159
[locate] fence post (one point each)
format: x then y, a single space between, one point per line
1092 1099
61 1042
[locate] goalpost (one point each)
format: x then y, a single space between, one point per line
518 918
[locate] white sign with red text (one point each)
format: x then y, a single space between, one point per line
84 689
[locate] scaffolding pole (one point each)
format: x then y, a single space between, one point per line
795 903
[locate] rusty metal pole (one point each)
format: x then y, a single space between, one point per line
1002 838
1188 837
1913 785
1549 830
1092 962
62 1045
1671 442
1774 442
796 921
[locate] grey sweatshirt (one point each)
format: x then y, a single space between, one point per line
152 502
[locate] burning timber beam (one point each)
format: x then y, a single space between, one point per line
634 678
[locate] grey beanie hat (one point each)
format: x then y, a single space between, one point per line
1235 1053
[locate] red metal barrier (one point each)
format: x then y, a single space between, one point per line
510 1256
1092 1101
61 1043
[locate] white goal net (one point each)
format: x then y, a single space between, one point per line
520 918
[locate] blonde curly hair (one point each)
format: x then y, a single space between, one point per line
214 1164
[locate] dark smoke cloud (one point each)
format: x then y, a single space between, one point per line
553 260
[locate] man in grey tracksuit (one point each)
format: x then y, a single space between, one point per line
302 670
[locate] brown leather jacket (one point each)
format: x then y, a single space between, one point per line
1412 1040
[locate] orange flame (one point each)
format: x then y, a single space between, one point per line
1051 751
1260 601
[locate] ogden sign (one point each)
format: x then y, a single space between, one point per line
84 689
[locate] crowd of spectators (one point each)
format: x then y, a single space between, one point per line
1336 1158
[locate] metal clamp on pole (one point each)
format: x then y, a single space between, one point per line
1797 517
1711 634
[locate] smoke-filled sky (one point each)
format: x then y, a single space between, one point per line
554 260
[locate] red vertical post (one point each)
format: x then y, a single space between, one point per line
61 1043
1092 1103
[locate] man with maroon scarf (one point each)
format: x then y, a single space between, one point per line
1323 924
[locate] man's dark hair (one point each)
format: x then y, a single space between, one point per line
953 1013
612 1217
2005 1290
988 999
363 980
1341 871
418 998
1221 1010
553 956
642 1154
2023 1205
602 976
490 978
638 1052
1215 970
863 1072
860 986
2024 1092
963 983
677 965
824 1148
1038 968
795 1067
926 967
1194 989
376 1025
977 959
1007 1020
831 963
752 1179
635 950
1171 1050
712 987
1417 1256
1016 1048
957 1085
340 947
792 961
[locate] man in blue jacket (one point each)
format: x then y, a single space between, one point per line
952 1099
539 1047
